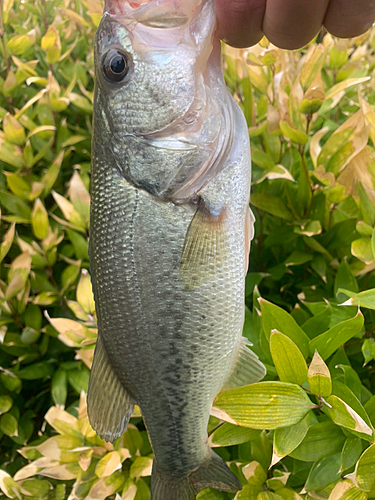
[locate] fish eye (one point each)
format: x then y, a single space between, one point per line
116 65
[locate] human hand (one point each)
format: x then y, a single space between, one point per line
291 24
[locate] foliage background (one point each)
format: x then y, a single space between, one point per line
303 433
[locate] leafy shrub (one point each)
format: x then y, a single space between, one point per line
307 431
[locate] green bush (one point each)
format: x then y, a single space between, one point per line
307 431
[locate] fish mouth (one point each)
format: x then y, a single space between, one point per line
164 14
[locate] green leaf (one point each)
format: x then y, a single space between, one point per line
140 467
363 299
9 486
265 405
36 371
288 359
298 258
252 280
268 495
80 102
362 249
39 220
351 452
312 65
327 343
324 472
9 425
286 439
319 323
292 133
370 409
364 475
261 450
342 414
322 440
343 392
344 85
59 388
311 228
368 350
7 242
79 379
271 204
14 205
14 131
209 494
275 318
80 244
10 381
230 435
349 378
354 494
344 279
19 44
36 487
367 208
6 403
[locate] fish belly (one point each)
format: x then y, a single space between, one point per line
171 348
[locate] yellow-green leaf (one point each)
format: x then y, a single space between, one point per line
364 474
288 359
292 133
14 131
7 242
108 464
265 405
319 377
274 317
327 343
85 297
19 44
39 220
342 414
286 439
362 249
230 435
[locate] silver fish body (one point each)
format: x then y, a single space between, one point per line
168 245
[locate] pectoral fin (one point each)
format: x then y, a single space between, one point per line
205 246
109 406
246 370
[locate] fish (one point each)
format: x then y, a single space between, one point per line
170 235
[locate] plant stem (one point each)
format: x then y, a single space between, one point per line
45 15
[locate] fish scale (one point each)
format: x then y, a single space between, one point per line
168 275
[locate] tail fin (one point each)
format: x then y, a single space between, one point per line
166 487
213 473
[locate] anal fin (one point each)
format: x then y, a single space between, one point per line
247 368
109 406
205 246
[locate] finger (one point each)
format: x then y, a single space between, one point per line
240 21
291 24
345 18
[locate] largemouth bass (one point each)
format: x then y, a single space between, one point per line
169 237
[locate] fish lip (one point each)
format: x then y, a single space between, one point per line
138 13
111 6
